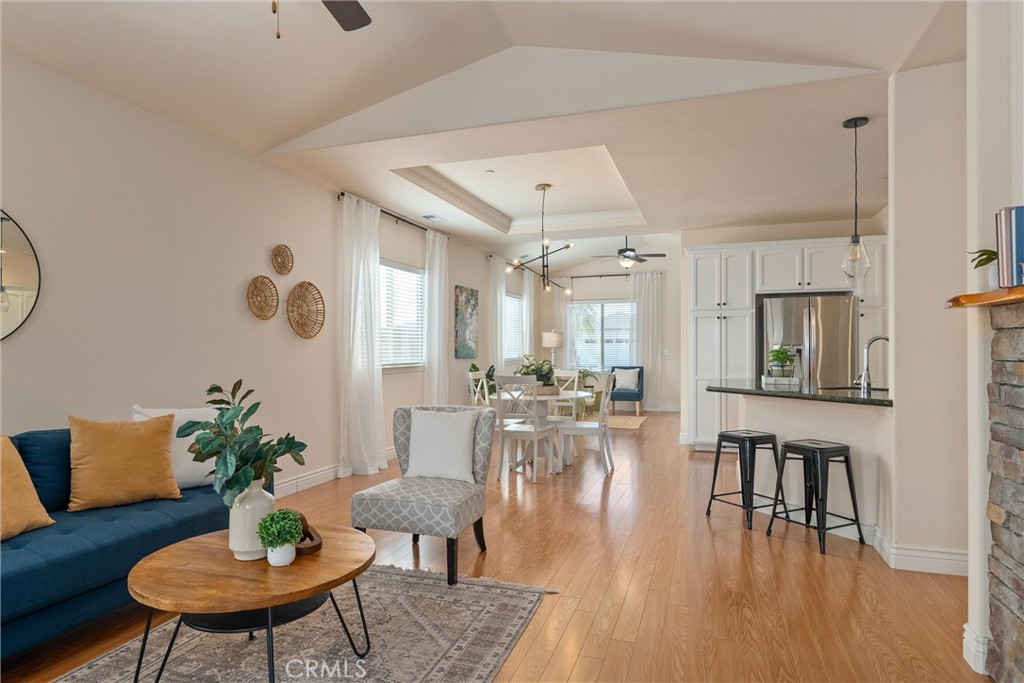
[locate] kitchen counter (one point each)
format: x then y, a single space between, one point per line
878 397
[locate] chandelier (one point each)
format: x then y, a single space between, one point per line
545 250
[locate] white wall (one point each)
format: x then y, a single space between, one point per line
927 213
148 234
995 178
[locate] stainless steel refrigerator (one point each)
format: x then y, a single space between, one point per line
820 328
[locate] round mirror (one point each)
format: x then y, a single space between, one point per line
19 276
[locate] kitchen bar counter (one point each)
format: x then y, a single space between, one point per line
849 396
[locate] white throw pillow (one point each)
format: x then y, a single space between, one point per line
187 472
441 444
627 379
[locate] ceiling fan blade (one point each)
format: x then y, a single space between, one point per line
652 255
606 256
349 14
638 259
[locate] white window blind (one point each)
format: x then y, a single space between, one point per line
602 333
402 336
512 327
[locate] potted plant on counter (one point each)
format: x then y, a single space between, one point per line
780 362
279 531
243 458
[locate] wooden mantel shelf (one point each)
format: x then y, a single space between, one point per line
997 297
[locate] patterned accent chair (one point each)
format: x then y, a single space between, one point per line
430 505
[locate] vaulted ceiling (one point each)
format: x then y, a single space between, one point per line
645 117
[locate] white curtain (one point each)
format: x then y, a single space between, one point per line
562 320
438 304
529 309
496 347
359 369
646 329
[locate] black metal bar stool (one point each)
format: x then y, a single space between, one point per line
816 456
747 441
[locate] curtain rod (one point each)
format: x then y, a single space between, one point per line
393 215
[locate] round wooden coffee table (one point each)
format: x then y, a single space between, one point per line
201 579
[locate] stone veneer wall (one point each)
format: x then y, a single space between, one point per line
1006 495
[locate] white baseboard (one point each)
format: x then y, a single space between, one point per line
905 558
918 559
290 485
667 408
975 649
346 470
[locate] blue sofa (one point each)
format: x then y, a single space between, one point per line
64 575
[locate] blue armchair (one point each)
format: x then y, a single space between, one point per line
624 394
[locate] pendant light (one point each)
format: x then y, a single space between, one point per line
545 250
855 261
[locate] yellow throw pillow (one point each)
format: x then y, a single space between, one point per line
117 463
20 509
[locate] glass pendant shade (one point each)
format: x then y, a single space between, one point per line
855 261
626 262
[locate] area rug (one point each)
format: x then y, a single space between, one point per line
421 629
626 421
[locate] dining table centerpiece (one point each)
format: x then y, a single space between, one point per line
544 371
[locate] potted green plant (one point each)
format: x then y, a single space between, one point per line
279 531
243 458
987 258
543 370
780 362
489 376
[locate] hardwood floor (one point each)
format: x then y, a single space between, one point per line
649 589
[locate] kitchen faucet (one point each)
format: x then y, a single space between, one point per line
865 377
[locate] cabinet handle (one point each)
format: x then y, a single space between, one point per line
862 315
808 284
862 300
724 304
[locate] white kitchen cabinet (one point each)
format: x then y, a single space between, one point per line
722 350
823 267
873 322
871 290
720 279
816 267
779 269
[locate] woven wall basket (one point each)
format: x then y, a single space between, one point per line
282 259
262 297
306 310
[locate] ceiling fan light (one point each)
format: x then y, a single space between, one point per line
626 263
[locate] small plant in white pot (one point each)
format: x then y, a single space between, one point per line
279 532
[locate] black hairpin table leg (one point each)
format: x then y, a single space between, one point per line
142 650
270 645
167 655
362 617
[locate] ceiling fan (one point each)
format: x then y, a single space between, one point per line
349 14
627 256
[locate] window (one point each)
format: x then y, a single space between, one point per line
402 336
602 334
512 328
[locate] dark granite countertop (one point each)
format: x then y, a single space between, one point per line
878 397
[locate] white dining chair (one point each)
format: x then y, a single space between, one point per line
565 410
522 421
478 388
598 428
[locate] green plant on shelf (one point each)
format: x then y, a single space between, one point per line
983 257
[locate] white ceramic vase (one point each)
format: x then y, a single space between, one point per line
251 505
281 557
